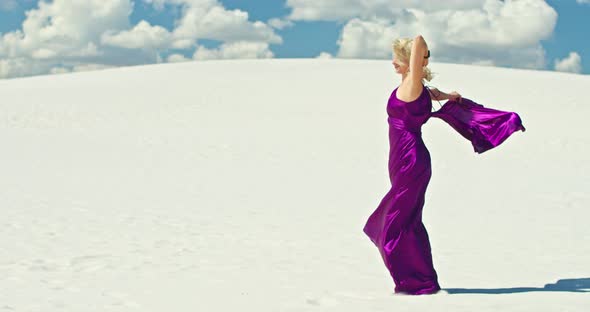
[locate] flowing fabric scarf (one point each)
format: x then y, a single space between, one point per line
485 127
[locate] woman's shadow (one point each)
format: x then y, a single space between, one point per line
570 285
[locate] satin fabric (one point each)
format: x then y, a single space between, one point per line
396 226
485 127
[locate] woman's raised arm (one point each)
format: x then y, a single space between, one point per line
419 50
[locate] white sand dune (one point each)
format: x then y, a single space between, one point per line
244 185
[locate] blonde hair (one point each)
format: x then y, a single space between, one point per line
402 47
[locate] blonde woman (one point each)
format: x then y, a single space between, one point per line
396 226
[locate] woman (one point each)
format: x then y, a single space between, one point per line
396 227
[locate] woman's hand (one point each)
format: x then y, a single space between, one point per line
455 96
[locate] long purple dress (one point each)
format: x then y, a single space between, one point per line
396 227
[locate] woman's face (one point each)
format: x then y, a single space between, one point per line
399 65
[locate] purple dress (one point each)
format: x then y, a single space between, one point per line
396 227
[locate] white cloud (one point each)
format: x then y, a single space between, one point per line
343 10
59 70
14 67
217 23
74 33
324 55
81 35
177 58
182 43
90 67
280 23
483 63
43 53
208 19
61 31
505 33
582 1
572 63
141 36
234 50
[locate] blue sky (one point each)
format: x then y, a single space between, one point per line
570 31
315 29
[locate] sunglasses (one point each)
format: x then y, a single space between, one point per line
427 55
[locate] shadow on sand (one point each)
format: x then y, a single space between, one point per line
569 285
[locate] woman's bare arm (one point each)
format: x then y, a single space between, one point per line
438 95
417 62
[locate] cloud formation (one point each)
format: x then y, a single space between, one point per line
572 63
235 50
493 32
70 35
